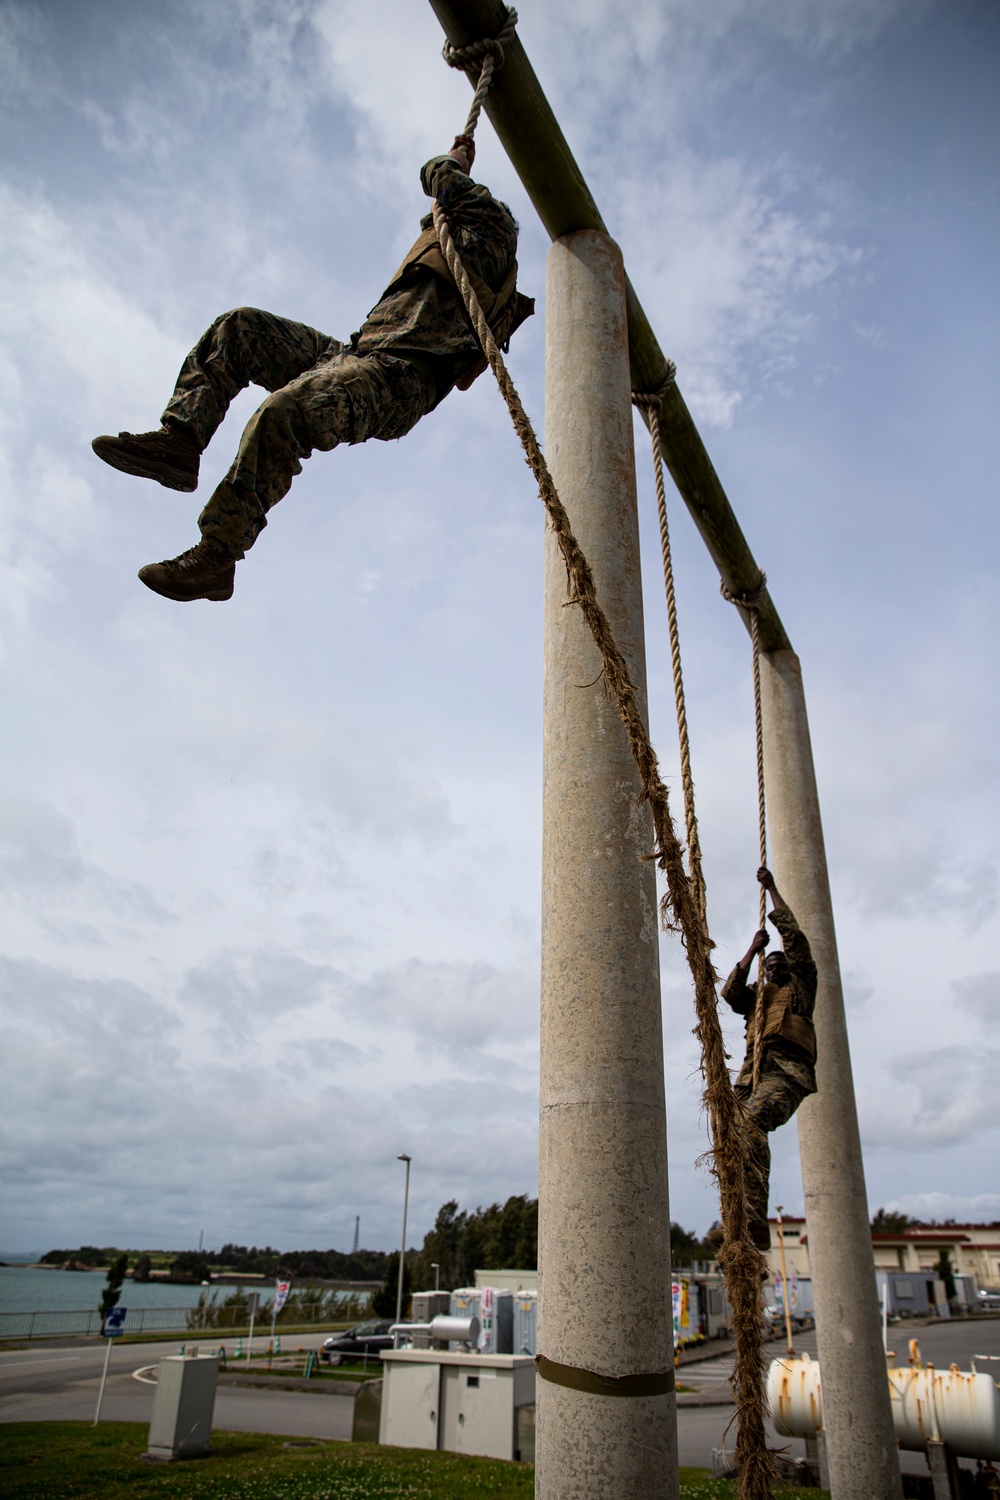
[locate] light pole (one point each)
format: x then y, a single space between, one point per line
402 1248
437 1275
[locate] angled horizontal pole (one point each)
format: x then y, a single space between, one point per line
530 134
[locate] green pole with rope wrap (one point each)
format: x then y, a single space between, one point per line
862 1441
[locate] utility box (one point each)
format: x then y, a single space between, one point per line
183 1409
525 1322
459 1403
367 1412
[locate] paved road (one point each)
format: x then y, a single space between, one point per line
46 1384
51 1384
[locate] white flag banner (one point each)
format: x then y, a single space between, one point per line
281 1295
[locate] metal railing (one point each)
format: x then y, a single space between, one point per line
51 1323
54 1323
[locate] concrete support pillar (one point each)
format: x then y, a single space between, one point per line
860 1440
606 1419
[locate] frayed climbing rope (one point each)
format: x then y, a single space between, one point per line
749 600
683 906
741 1263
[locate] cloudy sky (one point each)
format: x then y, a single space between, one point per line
270 902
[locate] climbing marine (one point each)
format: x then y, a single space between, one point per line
415 346
786 1044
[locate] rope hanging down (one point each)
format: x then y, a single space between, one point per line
750 601
725 1113
681 907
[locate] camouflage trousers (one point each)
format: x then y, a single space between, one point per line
768 1106
320 396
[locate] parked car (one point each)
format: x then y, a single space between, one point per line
985 1299
366 1338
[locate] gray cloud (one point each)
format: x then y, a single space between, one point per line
947 1096
980 996
975 1208
43 867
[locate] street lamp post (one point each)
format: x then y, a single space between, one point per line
437 1275
402 1248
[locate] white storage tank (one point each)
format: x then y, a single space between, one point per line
958 1407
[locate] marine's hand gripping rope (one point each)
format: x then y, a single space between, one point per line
682 907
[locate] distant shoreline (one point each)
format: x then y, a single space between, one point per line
222 1278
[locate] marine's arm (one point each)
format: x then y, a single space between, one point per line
736 992
793 939
446 177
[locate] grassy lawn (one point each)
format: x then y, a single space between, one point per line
74 1461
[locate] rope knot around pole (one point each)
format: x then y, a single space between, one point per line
478 52
650 401
748 598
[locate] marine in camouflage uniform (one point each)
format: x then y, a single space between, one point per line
788 1040
415 346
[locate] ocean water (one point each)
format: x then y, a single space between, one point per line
26 1289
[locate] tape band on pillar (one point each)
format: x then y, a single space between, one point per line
660 1383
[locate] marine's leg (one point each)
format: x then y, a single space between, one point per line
771 1105
344 399
246 346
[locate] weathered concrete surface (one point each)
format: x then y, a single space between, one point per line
604 1266
861 1443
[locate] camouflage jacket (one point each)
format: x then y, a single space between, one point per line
421 315
789 1037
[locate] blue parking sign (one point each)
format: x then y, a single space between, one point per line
114 1323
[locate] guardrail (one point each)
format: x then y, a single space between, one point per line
50 1323
54 1323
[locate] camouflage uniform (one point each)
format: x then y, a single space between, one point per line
414 347
787 1073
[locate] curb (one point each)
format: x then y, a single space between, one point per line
293 1383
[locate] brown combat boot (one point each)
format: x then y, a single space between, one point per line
202 572
169 456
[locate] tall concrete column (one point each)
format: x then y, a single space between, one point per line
605 1400
860 1441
